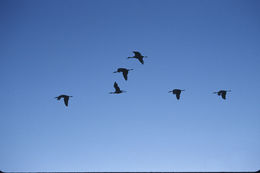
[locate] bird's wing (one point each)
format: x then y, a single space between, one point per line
178 95
66 100
58 98
120 69
223 95
141 60
116 87
175 91
137 53
125 73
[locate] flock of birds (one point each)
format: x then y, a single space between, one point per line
124 71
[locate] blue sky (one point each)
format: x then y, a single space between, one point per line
48 48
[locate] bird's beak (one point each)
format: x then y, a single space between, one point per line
115 72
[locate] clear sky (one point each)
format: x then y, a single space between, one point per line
48 48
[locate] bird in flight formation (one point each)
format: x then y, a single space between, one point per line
138 56
177 92
117 89
65 98
222 93
124 71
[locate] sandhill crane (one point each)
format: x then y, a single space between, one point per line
124 71
65 98
223 93
138 56
177 92
117 89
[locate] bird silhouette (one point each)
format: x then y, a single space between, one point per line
65 98
222 93
138 56
124 71
117 89
177 92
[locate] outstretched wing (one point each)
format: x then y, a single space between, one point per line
178 95
223 95
116 87
59 97
137 54
121 69
125 73
66 100
141 60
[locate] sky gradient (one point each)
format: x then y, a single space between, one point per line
48 48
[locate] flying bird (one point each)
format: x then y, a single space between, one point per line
65 98
117 89
177 92
222 93
124 71
138 56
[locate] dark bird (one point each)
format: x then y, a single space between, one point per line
117 89
138 56
177 92
222 93
65 98
124 71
